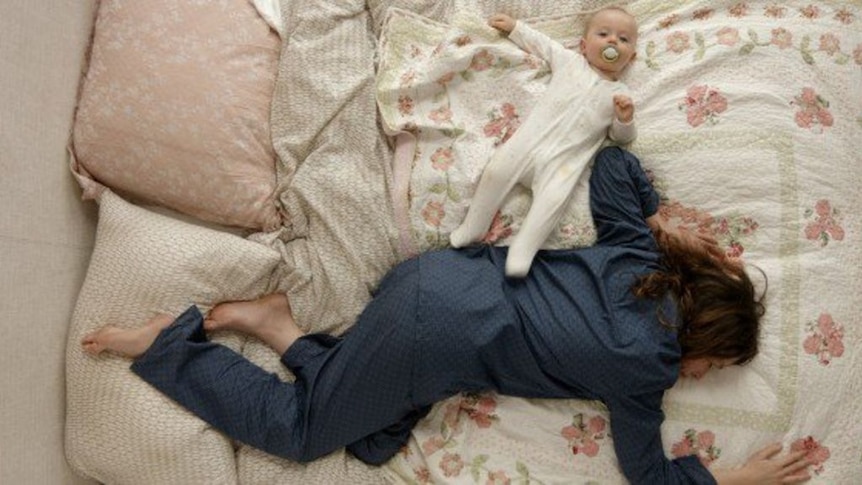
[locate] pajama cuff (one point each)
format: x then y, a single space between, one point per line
307 348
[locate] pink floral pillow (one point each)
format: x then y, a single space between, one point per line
174 109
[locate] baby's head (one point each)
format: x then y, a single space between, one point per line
610 40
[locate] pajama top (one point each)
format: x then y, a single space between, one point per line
450 321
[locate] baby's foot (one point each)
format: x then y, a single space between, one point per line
460 237
269 318
127 342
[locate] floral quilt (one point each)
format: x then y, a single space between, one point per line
750 122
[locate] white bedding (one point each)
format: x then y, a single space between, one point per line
750 122
737 106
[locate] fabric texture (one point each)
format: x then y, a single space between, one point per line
118 429
174 109
335 167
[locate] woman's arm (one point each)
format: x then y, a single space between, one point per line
636 429
621 200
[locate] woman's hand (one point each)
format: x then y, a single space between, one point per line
502 22
763 468
624 108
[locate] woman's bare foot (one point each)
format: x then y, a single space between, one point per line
128 342
268 318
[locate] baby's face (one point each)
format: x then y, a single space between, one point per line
610 42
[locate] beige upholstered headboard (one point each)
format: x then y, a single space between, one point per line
46 233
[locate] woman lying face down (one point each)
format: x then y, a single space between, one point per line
618 322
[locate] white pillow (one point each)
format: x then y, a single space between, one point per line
118 428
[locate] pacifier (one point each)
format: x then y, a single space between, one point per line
610 54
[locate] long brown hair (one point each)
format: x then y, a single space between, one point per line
719 309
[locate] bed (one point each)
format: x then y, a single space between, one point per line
237 147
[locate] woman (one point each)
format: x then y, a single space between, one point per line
618 322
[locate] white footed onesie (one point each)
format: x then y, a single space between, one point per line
549 152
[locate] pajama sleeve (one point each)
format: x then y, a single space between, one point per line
621 199
622 133
541 45
635 428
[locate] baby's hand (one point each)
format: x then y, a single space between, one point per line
624 108
502 22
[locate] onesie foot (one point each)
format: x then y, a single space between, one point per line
517 267
460 237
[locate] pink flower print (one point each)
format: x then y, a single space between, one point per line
815 453
703 104
857 54
422 475
826 225
480 409
810 12
702 13
813 113
432 445
451 464
501 228
774 11
408 78
482 61
844 16
830 44
433 213
825 339
781 38
739 10
584 437
498 477
503 124
446 79
678 42
442 159
441 115
668 21
728 36
701 444
463 40
730 231
588 447
734 250
405 105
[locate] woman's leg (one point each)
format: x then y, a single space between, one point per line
355 392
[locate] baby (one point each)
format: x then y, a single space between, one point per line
584 103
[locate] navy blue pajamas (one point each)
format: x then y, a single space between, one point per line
448 322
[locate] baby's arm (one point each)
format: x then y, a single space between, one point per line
527 38
623 127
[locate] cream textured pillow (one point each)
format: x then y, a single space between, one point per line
118 428
174 108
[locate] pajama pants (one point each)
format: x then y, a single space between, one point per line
353 392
